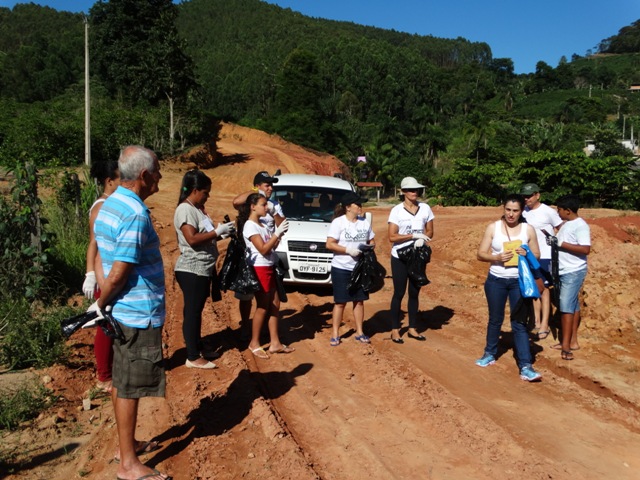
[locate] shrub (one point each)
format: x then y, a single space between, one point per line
23 244
30 337
22 404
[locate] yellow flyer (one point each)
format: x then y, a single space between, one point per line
511 247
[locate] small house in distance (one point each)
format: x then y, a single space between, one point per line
371 185
635 87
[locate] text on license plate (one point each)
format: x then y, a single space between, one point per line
312 268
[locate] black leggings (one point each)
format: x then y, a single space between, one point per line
400 275
195 290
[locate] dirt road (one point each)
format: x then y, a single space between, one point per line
421 410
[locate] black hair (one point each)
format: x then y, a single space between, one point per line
519 199
569 202
245 210
105 170
193 180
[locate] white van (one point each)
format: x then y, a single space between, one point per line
308 202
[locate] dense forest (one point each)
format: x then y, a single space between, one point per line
443 110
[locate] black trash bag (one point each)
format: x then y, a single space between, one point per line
72 324
109 325
216 296
282 293
416 258
554 277
368 273
231 263
246 281
522 310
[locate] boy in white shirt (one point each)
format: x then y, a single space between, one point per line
574 244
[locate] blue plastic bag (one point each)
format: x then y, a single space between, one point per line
528 286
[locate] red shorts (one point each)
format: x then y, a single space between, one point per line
266 277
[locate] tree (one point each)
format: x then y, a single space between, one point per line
137 52
297 109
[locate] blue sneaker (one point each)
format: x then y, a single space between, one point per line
486 360
528 374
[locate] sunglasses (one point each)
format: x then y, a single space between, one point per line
412 190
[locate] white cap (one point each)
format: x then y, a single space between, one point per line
409 183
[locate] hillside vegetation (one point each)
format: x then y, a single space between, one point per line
443 110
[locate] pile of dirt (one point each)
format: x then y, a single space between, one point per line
418 410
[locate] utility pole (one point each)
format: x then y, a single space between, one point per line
87 109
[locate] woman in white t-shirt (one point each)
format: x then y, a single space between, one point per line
410 224
347 232
502 240
261 243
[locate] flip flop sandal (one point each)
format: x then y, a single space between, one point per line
566 355
544 334
260 353
363 339
284 349
334 342
155 473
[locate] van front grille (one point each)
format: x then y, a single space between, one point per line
302 246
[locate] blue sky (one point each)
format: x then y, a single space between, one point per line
526 32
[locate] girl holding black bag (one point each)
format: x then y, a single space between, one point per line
347 232
410 226
261 244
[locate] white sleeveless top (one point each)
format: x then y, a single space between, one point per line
498 269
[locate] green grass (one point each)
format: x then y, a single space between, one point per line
24 403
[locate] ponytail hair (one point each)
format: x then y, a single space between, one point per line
193 180
245 210
339 210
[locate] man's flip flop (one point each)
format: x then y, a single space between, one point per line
143 447
154 474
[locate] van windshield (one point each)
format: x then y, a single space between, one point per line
305 203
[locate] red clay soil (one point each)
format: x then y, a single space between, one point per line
379 411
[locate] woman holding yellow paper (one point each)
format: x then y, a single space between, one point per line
500 246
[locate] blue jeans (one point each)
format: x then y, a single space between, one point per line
497 290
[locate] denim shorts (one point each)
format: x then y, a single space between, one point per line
570 285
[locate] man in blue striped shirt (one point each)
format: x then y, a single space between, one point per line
134 287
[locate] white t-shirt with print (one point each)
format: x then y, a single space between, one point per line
256 259
543 218
576 232
349 234
409 223
273 207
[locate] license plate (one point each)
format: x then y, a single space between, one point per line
312 268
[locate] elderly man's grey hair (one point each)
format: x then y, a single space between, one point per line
133 160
